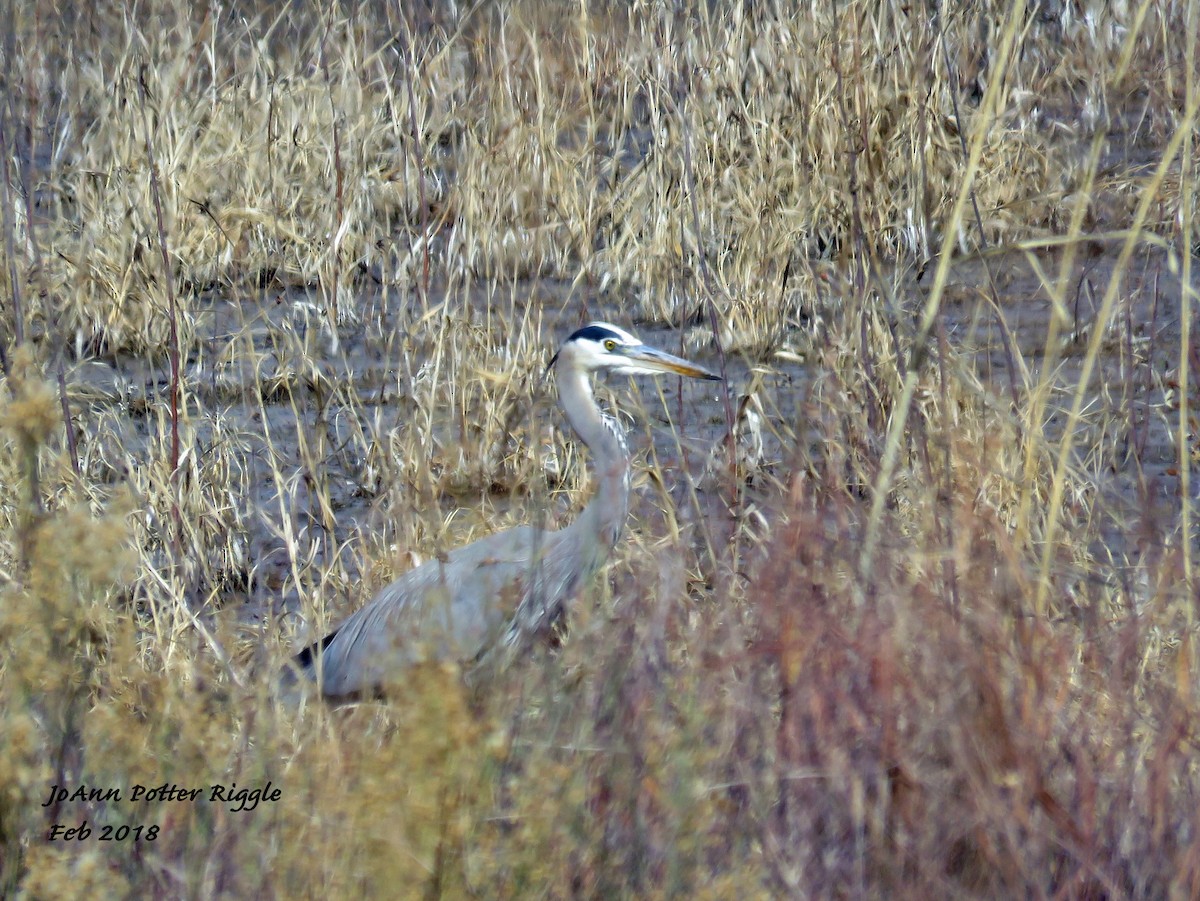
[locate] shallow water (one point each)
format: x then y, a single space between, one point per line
271 391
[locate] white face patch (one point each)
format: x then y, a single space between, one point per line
596 346
601 346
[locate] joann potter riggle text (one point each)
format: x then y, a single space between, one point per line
239 799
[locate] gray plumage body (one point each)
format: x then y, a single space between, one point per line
498 593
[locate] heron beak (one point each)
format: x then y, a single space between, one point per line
656 360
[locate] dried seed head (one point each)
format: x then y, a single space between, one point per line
31 411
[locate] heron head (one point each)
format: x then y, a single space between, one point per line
600 346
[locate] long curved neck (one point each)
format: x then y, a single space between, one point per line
603 519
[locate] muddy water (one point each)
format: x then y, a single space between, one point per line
1126 441
1132 394
272 392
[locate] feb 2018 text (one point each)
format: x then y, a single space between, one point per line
238 799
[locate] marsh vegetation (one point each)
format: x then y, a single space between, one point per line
906 609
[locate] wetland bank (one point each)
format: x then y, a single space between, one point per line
909 612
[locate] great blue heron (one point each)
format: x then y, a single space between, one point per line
502 590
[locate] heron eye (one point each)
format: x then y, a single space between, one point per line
610 344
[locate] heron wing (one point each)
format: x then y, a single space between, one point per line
448 608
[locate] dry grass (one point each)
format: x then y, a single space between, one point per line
278 291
